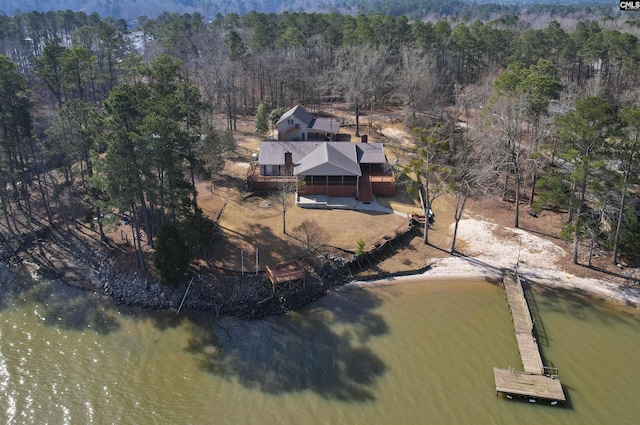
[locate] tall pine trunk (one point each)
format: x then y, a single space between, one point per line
534 181
6 214
71 205
577 218
517 197
45 200
138 236
29 220
143 204
356 109
426 207
461 201
616 242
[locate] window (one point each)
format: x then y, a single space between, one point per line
350 180
335 180
319 180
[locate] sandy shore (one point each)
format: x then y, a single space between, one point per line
493 248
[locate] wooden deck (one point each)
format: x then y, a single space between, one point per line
417 218
534 382
285 275
542 387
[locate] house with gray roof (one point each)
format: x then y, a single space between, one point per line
297 124
334 169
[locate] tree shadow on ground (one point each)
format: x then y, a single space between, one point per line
322 349
273 248
541 233
492 274
225 182
611 273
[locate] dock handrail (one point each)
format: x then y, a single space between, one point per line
551 371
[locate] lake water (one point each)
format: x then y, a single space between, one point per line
411 353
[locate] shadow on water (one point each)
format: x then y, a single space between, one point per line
320 349
544 404
8 286
576 302
73 309
58 305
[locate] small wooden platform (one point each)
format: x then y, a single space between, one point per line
417 218
289 274
534 382
542 387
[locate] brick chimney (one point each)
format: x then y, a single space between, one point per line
288 163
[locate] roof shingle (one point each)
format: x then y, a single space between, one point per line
322 158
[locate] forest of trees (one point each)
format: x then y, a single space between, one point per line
414 9
127 120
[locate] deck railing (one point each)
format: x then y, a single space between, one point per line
552 372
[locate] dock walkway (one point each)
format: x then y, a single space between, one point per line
533 382
523 325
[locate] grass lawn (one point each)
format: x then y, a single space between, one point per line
250 224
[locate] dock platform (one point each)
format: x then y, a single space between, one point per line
542 387
537 382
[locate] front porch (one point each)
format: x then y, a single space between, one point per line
375 180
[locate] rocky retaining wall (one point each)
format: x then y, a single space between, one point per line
246 296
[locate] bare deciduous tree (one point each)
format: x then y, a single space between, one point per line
284 190
309 235
417 83
363 74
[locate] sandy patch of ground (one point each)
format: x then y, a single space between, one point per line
537 260
492 248
504 247
397 135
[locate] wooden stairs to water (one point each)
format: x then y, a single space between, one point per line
365 191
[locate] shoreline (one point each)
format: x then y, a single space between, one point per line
96 270
463 268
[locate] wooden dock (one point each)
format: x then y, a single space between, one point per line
537 382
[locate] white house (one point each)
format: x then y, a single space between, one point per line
297 124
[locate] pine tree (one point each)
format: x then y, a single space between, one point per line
261 123
172 255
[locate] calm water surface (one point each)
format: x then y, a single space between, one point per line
412 353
